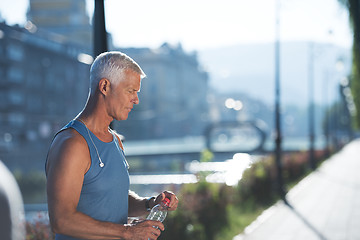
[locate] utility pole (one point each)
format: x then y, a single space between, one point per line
278 139
311 108
99 29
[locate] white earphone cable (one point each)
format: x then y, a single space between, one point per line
97 152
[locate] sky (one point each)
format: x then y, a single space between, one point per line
206 24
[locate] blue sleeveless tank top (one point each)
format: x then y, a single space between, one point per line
104 194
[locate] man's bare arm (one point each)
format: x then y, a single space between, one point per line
68 161
137 204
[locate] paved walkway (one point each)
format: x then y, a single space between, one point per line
325 205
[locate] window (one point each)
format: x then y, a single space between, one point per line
3 99
34 79
15 52
49 81
16 119
34 103
1 74
16 97
15 74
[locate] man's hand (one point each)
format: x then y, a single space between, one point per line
170 195
144 229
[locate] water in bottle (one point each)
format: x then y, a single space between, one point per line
159 211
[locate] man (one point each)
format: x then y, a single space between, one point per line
87 175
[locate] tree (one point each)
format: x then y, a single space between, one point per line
354 11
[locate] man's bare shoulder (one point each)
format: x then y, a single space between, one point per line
68 138
68 146
68 134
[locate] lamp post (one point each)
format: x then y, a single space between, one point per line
311 107
278 137
99 29
339 66
326 114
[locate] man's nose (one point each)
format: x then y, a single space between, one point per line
136 99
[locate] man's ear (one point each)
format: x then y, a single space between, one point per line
104 86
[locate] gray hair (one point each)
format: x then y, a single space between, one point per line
109 65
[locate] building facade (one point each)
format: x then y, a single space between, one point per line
173 96
67 18
43 84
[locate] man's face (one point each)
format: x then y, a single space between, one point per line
124 95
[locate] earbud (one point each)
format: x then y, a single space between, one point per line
101 163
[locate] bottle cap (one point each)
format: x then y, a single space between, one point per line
166 201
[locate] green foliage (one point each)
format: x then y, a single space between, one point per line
218 212
353 7
39 231
206 156
203 212
240 217
355 81
257 183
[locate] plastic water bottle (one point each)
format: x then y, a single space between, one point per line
159 211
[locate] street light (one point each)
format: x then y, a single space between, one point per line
339 66
230 103
311 107
278 150
99 29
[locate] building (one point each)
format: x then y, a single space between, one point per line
43 84
173 96
67 18
166 109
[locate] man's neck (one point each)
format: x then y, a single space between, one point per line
95 118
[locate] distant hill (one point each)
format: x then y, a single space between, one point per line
250 69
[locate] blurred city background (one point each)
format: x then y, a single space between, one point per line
210 102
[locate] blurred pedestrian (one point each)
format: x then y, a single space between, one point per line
87 173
